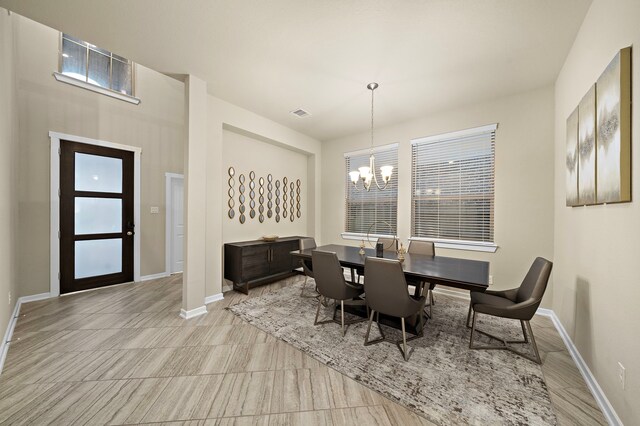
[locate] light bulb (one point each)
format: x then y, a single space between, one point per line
386 172
365 171
354 176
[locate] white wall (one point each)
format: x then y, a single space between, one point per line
524 178
596 282
225 120
8 172
247 154
156 125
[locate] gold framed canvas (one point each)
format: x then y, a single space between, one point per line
587 148
613 130
572 160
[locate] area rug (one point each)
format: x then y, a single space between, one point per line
444 381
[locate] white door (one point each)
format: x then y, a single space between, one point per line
177 224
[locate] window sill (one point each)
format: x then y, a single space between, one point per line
460 245
360 237
92 87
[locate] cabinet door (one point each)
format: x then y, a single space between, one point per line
281 260
255 262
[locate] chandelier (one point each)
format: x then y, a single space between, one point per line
367 174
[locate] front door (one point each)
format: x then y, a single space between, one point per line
96 216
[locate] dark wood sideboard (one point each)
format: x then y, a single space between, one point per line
259 262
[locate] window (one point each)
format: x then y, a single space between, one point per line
374 211
452 183
85 62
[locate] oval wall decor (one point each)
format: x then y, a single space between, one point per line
231 192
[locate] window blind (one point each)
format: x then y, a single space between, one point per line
452 193
373 209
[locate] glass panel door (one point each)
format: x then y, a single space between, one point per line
96 216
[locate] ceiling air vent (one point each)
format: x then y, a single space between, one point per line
300 113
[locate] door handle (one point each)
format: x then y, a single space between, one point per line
130 233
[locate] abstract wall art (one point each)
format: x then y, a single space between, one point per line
587 148
572 159
598 156
613 130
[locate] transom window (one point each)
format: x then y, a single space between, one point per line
452 183
91 64
373 211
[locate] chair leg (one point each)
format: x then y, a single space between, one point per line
524 332
430 295
342 317
533 343
366 336
473 328
304 286
507 343
469 316
315 321
404 340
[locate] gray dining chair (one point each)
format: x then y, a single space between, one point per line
426 248
389 244
331 284
307 265
386 293
517 303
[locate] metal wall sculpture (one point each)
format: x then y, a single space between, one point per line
277 201
284 197
241 207
252 195
231 193
298 214
261 199
292 214
284 201
269 195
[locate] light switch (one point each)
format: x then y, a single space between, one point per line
155 210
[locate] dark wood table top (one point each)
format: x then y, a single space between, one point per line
467 274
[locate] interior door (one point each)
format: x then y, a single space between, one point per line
96 216
177 227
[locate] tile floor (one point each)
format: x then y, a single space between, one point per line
122 355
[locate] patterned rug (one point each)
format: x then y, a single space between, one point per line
444 381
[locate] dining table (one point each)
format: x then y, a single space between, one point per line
465 274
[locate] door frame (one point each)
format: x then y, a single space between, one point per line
54 239
168 208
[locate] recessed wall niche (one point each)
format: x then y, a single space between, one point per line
267 199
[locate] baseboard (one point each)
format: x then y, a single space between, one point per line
213 298
603 402
4 346
193 312
154 276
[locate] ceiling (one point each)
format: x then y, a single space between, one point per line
272 57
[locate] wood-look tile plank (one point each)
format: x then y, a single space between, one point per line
561 372
304 418
576 406
292 391
244 421
250 394
184 398
371 416
129 403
